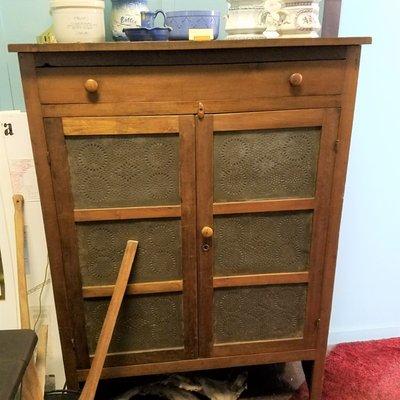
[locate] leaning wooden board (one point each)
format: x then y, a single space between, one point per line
91 384
226 161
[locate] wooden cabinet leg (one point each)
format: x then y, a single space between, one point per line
314 373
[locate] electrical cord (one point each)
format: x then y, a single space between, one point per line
41 294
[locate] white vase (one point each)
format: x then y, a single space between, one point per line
299 19
245 19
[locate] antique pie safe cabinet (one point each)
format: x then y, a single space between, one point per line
227 161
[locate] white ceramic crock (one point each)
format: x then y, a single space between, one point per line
299 19
78 21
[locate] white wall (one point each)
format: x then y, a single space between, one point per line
367 294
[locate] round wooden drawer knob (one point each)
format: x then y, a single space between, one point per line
296 79
91 86
207 232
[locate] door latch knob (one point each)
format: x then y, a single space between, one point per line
207 232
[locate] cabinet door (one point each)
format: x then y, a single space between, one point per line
263 182
122 178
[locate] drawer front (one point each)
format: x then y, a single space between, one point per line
199 82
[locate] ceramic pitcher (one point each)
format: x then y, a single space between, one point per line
148 18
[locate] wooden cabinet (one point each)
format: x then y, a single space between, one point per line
227 162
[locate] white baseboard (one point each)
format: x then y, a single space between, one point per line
336 337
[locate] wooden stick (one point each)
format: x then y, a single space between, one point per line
20 242
31 389
41 357
89 390
31 385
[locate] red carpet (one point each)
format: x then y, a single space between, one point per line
363 371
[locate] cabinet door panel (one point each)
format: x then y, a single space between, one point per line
102 244
280 163
262 243
123 171
259 313
144 323
118 179
266 195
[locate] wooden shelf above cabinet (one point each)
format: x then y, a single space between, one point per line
186 45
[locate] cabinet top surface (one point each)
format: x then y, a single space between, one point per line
186 45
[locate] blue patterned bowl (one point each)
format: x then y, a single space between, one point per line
182 21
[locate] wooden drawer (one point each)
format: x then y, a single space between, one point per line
183 83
